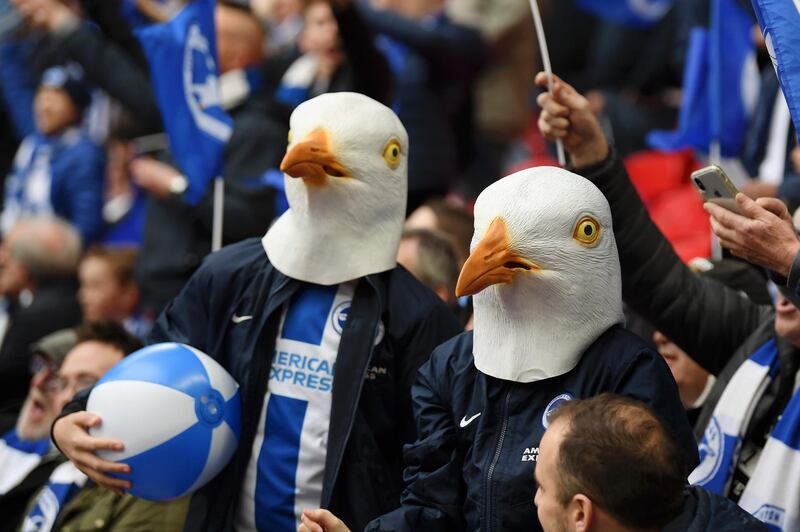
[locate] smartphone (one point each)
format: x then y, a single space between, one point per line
716 187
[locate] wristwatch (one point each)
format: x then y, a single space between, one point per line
178 184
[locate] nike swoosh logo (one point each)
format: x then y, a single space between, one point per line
465 421
240 319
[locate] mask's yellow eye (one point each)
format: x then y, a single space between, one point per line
391 154
289 139
587 231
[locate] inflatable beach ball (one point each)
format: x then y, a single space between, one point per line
176 410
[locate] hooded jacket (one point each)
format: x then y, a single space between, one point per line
472 466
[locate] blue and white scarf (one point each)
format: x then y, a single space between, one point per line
773 492
64 482
297 82
722 440
18 458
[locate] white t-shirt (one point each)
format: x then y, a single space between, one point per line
287 463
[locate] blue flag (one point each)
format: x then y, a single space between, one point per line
182 54
640 14
720 84
780 24
733 74
694 128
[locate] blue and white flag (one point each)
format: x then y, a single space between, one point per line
773 492
720 84
722 439
182 54
780 24
640 14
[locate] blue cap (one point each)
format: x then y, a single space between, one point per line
70 80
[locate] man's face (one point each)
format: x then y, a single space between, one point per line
101 295
787 321
13 274
53 110
552 514
84 365
38 412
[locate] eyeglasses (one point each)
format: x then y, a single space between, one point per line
59 384
40 362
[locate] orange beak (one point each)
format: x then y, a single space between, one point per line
491 262
312 159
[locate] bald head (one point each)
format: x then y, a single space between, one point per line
240 38
35 250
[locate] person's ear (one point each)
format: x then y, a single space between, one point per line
580 512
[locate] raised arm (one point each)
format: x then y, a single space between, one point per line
708 320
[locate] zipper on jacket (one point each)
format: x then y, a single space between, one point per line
498 448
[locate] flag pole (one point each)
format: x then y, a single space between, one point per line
216 224
537 20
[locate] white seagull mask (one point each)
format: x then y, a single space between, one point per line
345 173
544 272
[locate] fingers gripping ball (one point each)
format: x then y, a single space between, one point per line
176 410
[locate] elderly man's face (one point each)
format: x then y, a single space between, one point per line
38 411
552 514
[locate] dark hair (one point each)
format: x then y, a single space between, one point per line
121 260
108 332
617 452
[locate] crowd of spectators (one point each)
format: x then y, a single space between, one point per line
97 238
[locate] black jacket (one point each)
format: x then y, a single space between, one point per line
714 324
706 511
371 406
472 467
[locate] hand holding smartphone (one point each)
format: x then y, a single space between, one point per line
716 187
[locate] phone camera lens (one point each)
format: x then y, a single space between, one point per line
700 184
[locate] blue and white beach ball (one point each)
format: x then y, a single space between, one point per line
176 410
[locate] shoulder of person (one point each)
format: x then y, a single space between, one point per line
452 358
410 303
240 259
618 346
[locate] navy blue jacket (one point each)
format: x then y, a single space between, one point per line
476 473
371 414
76 167
707 511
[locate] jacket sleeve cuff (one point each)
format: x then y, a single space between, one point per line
78 404
594 171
